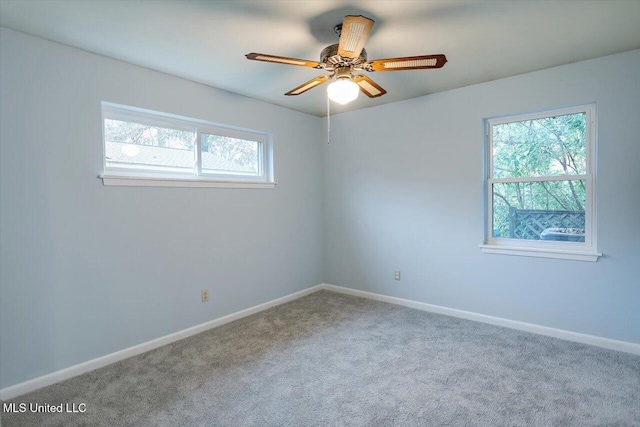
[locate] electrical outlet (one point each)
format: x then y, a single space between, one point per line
397 275
205 295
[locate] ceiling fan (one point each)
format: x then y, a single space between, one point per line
348 57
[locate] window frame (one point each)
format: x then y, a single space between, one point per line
582 251
196 178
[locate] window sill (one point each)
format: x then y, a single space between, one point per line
542 252
162 181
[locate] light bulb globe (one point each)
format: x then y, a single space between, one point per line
343 91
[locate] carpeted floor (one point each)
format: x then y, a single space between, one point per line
334 360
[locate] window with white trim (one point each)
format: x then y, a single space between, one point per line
540 184
147 148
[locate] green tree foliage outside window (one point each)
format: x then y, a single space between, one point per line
545 147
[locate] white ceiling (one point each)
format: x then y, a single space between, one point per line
206 41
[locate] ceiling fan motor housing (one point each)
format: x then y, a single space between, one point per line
342 73
329 55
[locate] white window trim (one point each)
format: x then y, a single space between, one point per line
147 178
579 251
158 181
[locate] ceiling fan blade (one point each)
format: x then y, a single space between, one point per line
283 60
369 87
406 63
308 85
355 32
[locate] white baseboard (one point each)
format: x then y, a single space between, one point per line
90 365
627 347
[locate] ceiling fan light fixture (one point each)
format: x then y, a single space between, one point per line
343 91
346 60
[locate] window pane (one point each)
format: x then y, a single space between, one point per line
542 147
543 210
225 155
138 146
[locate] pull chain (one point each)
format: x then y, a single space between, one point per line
328 121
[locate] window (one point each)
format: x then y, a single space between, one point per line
146 148
540 185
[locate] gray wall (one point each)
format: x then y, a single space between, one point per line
87 270
404 190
